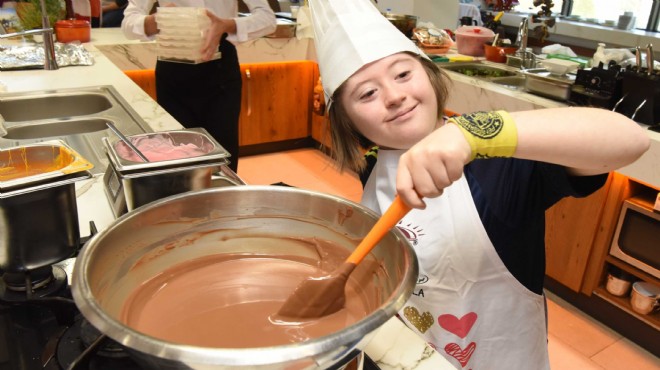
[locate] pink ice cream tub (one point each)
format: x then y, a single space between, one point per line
179 161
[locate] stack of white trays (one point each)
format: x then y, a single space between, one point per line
182 33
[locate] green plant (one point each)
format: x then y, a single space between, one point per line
29 13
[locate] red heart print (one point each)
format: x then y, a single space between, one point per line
454 325
462 355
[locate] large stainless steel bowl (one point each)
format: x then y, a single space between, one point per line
104 273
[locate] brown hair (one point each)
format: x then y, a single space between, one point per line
348 144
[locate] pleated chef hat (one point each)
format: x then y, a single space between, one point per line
349 34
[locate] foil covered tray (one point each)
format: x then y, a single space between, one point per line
206 149
31 56
38 163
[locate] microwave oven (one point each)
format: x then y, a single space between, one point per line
636 240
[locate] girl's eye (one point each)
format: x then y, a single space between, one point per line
403 74
367 94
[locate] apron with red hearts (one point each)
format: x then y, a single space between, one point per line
466 303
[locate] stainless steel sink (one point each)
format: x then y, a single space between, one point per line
510 82
479 70
537 81
70 104
31 131
77 116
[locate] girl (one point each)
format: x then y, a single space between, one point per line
480 184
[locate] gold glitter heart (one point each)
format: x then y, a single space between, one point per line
422 322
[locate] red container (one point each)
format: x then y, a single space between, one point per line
470 40
498 53
69 30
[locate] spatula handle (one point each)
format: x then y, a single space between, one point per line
388 220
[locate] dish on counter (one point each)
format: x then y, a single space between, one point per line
559 67
433 39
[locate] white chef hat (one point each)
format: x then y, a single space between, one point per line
350 34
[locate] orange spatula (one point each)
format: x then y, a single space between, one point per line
317 297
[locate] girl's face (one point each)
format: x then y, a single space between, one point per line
391 101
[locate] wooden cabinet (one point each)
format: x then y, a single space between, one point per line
571 227
579 233
276 102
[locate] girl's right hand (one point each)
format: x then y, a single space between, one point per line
431 165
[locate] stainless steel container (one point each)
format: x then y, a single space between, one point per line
539 81
38 208
105 272
130 184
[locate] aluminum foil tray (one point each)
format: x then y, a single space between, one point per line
31 56
214 152
38 163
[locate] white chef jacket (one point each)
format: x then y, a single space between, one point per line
260 22
466 303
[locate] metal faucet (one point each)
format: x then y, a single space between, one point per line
50 61
3 131
527 58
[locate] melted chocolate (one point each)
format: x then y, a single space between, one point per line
232 300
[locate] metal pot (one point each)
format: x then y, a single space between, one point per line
104 274
403 22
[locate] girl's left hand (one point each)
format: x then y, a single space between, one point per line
431 165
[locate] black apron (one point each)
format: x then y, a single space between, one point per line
205 95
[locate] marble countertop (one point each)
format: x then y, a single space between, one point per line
393 346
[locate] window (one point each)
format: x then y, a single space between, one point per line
598 11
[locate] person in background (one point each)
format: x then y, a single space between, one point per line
112 12
479 184
206 94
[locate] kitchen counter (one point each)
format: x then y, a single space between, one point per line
393 346
468 94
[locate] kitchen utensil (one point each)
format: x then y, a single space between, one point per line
497 36
559 67
498 53
470 40
131 184
618 282
126 141
403 22
143 243
39 179
649 59
467 21
644 297
68 30
317 297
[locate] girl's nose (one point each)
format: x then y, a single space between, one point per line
393 95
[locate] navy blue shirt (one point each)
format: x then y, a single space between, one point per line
511 196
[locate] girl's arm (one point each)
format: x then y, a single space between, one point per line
587 141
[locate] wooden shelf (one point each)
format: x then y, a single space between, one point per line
631 270
652 319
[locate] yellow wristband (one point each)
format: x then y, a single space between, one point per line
490 134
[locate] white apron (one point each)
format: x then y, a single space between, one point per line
466 304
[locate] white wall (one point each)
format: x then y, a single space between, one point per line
442 13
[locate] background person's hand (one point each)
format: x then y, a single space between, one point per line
219 27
